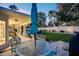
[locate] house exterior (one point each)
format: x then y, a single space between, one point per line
10 18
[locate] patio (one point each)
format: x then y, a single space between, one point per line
53 46
7 51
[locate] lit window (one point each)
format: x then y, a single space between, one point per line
2 32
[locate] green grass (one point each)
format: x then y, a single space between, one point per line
57 36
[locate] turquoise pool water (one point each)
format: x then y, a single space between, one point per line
52 53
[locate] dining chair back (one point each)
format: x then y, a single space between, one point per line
14 41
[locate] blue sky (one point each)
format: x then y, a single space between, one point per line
43 7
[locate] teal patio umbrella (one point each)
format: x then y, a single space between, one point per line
34 19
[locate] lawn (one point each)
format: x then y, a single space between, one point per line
57 36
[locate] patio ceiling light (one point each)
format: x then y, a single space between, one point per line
16 20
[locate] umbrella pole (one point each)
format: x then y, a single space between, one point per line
35 43
35 39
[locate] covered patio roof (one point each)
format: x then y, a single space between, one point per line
13 15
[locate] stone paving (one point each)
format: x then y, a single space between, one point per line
9 53
58 44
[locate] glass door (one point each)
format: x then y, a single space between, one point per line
2 32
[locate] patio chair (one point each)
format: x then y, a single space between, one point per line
14 41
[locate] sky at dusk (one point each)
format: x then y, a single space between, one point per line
42 7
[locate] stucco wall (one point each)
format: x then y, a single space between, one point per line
64 28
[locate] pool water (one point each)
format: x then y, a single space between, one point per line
52 53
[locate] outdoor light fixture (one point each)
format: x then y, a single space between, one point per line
16 20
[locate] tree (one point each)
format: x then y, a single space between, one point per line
68 12
41 19
40 23
52 13
64 13
50 23
13 7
